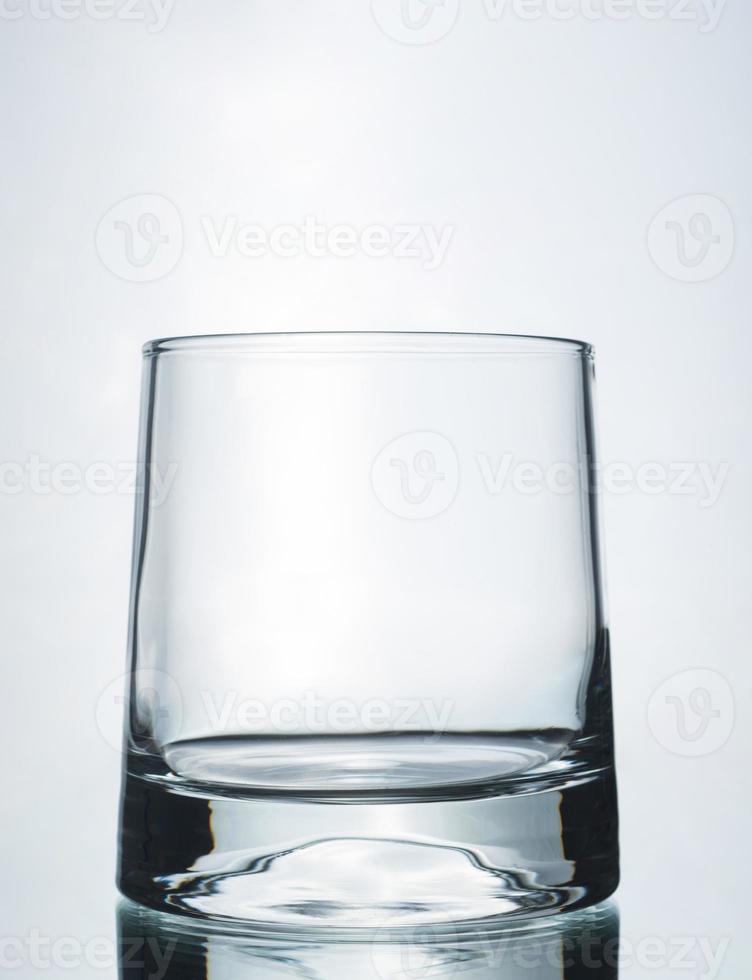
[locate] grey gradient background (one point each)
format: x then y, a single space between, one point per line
548 146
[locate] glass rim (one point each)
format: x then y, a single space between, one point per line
368 342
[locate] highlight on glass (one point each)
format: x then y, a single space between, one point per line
369 679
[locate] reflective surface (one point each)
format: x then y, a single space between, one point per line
155 946
551 146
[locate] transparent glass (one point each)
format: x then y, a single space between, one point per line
576 946
369 677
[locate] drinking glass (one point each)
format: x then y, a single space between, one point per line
369 681
573 946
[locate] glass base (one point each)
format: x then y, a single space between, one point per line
538 844
384 767
576 946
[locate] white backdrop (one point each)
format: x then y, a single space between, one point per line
179 167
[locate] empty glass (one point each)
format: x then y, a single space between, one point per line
578 946
369 661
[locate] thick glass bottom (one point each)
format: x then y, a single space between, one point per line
577 946
385 764
535 844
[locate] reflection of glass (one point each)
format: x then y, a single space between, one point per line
575 946
370 677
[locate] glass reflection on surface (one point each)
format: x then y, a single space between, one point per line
573 946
